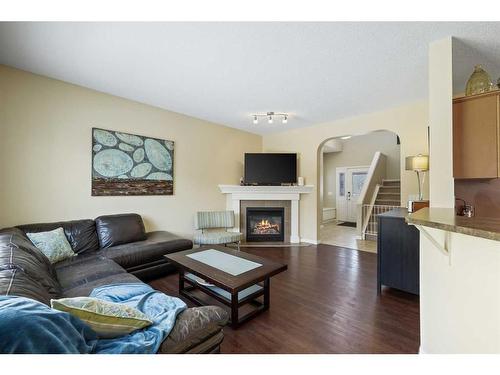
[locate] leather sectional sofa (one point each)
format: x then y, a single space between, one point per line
111 249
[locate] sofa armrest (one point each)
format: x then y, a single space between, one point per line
195 327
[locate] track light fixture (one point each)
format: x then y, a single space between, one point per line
270 117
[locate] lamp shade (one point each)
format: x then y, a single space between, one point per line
417 163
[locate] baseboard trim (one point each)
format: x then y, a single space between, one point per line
312 242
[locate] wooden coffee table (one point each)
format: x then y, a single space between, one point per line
234 278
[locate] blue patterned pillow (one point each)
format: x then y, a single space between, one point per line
53 244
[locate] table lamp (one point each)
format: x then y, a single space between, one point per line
419 164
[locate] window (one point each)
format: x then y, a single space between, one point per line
341 184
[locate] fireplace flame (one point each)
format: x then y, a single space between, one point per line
265 227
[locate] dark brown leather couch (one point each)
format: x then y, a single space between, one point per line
111 249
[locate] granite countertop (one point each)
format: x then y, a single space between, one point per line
446 219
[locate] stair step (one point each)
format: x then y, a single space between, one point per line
386 183
391 197
387 202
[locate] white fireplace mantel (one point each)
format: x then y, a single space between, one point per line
237 193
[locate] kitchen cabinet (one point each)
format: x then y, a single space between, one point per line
476 136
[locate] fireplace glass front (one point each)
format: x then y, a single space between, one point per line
265 224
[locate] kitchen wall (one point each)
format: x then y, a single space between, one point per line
408 121
359 151
45 154
483 194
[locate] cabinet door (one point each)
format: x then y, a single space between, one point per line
398 255
391 251
410 262
475 152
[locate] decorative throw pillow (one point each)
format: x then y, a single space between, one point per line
107 319
53 244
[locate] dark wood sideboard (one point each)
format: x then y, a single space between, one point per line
398 248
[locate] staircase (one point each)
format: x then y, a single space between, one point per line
388 198
389 193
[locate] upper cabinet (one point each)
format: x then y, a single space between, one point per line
476 146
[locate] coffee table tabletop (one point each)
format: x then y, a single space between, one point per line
221 278
234 278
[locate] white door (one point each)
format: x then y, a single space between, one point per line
355 179
349 183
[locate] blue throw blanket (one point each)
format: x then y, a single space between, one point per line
28 326
159 307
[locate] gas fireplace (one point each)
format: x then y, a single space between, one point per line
265 224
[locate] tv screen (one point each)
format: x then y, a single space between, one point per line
270 169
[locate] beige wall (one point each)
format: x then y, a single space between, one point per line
45 152
409 122
359 151
441 123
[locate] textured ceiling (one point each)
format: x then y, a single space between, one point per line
224 72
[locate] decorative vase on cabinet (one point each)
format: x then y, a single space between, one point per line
479 82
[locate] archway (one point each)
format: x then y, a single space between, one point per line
354 174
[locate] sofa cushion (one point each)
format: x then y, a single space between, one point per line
114 230
14 282
25 271
16 237
81 234
78 276
151 249
216 237
193 327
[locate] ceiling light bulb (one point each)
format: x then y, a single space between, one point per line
285 120
270 121
255 120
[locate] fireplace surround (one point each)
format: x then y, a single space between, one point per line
237 195
265 224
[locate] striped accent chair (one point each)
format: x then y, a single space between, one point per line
210 224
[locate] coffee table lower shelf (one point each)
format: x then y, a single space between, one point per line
188 284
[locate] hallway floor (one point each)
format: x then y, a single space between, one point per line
333 234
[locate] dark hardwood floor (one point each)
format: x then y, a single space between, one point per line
326 302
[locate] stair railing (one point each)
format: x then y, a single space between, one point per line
376 173
367 211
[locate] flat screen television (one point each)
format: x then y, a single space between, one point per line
270 169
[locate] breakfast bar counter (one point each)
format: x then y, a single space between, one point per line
459 277
447 220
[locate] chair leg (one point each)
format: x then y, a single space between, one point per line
239 242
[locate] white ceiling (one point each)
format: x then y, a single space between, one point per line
224 72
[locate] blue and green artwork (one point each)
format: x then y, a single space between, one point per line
127 164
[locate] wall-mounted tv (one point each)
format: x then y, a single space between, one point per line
270 169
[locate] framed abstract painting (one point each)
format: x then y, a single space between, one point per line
128 164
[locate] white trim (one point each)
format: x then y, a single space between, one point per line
237 193
312 242
231 189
